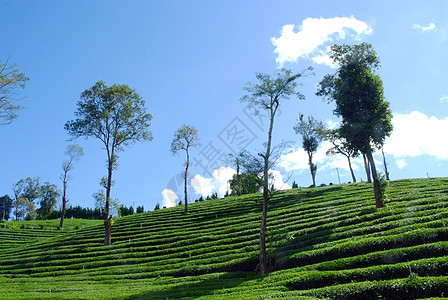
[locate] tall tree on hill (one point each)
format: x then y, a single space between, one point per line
11 79
74 153
266 95
359 97
117 116
184 138
311 132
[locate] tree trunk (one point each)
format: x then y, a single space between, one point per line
186 182
107 216
385 165
64 200
312 167
376 182
351 169
263 264
238 178
366 166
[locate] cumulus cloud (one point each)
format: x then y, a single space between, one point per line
444 99
298 159
169 198
312 34
278 182
417 134
430 27
217 183
401 163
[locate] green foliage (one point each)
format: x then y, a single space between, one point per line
116 115
48 199
359 96
141 209
311 132
5 207
247 184
184 138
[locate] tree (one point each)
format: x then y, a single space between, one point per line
359 97
23 208
26 191
245 183
74 153
340 146
117 116
141 209
11 79
184 138
266 94
5 207
49 194
310 130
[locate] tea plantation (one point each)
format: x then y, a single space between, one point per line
324 243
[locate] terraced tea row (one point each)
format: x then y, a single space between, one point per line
323 242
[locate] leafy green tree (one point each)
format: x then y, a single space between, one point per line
141 209
157 206
294 185
310 130
117 116
360 102
26 191
246 183
5 207
23 208
238 160
11 79
74 153
184 138
49 194
266 95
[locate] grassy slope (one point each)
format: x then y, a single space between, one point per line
327 242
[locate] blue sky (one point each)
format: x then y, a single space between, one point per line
190 60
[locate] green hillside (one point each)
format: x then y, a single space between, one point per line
324 243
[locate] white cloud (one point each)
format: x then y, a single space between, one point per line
169 198
278 180
217 183
417 134
308 41
298 159
401 163
444 99
332 124
430 27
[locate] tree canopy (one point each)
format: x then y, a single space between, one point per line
11 79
